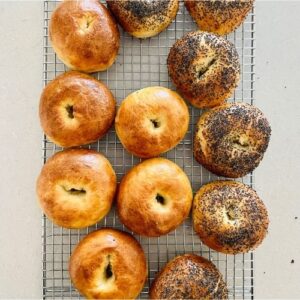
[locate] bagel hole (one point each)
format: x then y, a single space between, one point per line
70 111
108 271
160 199
155 123
204 69
74 191
232 213
241 141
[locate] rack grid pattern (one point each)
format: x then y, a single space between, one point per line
142 63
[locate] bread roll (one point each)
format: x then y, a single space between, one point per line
189 276
108 264
84 35
229 217
219 16
151 121
76 188
231 139
76 109
205 68
144 18
154 197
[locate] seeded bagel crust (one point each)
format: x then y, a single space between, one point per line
229 217
205 68
219 16
231 139
143 18
189 276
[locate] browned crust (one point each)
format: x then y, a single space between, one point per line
138 208
229 217
142 18
220 16
189 276
231 139
205 68
92 104
84 35
94 181
127 264
145 125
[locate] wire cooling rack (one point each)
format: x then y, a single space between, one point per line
142 63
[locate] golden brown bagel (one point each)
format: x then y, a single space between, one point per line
231 139
189 276
219 16
84 35
144 18
204 67
152 121
154 197
108 264
229 217
76 188
76 109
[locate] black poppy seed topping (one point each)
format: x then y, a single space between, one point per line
143 8
143 15
219 78
233 236
236 137
190 277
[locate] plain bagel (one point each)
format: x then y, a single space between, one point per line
84 35
205 68
154 197
76 109
76 188
229 217
108 264
144 124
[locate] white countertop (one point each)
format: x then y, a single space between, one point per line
277 94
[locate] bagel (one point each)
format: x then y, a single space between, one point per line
154 197
205 68
144 18
229 217
219 16
189 276
84 35
231 139
144 124
108 264
76 109
76 188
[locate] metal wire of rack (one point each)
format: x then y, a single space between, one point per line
142 63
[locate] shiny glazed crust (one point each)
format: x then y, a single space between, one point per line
143 18
205 68
154 197
229 217
76 109
108 264
189 276
231 139
219 16
76 188
84 35
145 125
